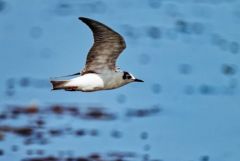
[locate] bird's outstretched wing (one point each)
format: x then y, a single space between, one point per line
107 46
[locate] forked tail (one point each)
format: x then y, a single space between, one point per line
58 84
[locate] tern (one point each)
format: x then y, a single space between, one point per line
100 71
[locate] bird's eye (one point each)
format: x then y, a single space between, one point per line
129 77
126 75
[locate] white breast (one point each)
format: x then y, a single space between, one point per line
87 82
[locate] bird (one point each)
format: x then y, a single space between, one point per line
100 71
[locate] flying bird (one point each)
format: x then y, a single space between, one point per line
100 71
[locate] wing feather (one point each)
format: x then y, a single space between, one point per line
107 46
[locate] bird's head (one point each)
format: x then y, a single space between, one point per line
128 77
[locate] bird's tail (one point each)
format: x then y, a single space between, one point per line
58 84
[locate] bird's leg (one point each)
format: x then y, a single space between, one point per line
71 88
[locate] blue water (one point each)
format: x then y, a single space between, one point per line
186 51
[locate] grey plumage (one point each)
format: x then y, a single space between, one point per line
100 71
107 46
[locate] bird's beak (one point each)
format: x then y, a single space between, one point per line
138 80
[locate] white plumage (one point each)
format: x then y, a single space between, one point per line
100 71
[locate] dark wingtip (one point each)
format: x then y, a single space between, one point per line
83 18
80 18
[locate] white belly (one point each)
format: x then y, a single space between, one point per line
87 82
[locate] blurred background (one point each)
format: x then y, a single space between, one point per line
186 51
